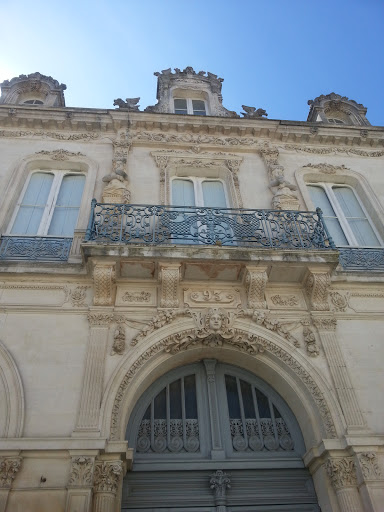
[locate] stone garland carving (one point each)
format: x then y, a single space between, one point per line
270 323
169 278
118 346
60 154
9 467
255 283
100 319
136 297
340 302
81 472
327 168
50 135
310 340
285 300
325 324
333 150
104 277
194 139
219 483
342 472
162 318
107 476
241 340
369 465
316 287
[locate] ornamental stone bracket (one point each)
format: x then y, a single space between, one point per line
342 474
104 278
316 285
9 467
169 278
255 281
107 482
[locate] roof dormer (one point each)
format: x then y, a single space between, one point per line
33 90
189 93
335 109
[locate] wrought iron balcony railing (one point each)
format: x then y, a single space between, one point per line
148 224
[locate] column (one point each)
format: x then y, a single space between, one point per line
326 326
79 495
9 467
88 417
107 482
342 473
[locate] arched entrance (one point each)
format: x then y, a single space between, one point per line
213 437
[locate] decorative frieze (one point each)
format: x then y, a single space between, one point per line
9 467
60 154
255 281
327 168
50 135
332 150
133 295
104 277
169 277
217 297
325 323
100 319
317 286
81 474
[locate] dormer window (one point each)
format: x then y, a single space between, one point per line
33 102
187 106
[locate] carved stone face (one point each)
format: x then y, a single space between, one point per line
215 321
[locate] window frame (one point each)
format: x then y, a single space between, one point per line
190 110
198 190
342 219
46 219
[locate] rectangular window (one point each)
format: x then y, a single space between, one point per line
189 107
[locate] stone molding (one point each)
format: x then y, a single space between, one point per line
341 472
81 474
169 278
9 467
327 168
332 150
316 287
100 319
255 281
104 278
237 338
107 476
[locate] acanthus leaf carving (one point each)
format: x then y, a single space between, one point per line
81 472
369 466
9 467
100 319
219 482
107 476
342 472
325 323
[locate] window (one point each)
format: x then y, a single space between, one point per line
189 106
193 191
344 215
49 204
33 102
333 120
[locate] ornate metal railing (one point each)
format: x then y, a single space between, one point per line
148 224
362 258
34 248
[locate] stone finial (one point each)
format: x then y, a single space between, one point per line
129 104
252 113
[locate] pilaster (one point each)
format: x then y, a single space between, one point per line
9 467
169 277
255 280
342 473
370 481
107 482
326 327
217 447
79 495
88 417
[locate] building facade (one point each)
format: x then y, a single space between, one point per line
191 304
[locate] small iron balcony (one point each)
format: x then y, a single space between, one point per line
154 225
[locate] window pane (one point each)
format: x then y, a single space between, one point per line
246 391
160 405
213 193
198 107
180 106
183 193
33 204
232 397
175 399
190 397
355 216
262 404
66 211
320 200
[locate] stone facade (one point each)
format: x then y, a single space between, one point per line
88 321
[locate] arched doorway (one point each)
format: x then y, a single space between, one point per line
213 437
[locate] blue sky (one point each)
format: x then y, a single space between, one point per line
273 54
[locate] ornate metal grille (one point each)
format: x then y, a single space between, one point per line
34 248
362 259
148 224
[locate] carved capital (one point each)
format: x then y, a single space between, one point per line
100 319
317 287
255 281
81 474
369 466
342 472
219 483
324 323
107 476
9 467
104 277
169 278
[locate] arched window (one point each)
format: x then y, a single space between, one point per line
33 102
49 204
345 215
207 417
